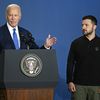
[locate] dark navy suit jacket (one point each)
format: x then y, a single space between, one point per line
26 39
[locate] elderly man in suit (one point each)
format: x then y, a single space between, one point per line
12 36
24 39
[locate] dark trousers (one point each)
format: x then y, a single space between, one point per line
86 93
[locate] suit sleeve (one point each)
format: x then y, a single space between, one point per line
70 64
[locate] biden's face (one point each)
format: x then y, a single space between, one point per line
13 16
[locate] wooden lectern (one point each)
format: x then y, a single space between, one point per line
18 85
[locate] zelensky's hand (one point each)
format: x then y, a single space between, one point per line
71 87
50 41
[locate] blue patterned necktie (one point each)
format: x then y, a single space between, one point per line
15 39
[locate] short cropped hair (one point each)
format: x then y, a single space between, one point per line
92 18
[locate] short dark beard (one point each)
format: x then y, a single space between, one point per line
86 34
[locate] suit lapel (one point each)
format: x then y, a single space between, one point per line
8 38
22 42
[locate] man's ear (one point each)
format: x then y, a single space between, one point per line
95 26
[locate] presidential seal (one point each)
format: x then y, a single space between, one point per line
31 65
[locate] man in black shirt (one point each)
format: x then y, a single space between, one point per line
83 65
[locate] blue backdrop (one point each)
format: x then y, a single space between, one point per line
60 18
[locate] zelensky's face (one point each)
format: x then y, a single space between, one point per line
13 16
88 27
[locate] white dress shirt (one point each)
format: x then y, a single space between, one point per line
11 32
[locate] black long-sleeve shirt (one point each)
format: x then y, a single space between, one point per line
83 66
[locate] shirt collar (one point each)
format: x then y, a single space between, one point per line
11 28
92 39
